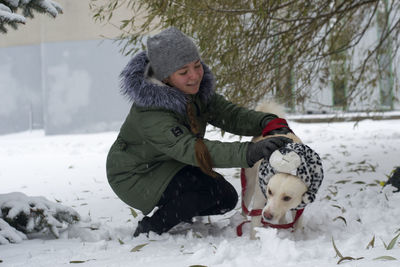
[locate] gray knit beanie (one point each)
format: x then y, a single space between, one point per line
170 50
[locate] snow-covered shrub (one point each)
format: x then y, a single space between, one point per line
32 215
9 234
27 8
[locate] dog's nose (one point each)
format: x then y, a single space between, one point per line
267 215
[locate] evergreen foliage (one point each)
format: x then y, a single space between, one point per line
21 214
28 8
259 47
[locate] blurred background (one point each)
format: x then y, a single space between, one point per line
61 74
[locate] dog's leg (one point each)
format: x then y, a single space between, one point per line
255 222
258 203
251 181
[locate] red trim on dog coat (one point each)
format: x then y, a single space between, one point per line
258 212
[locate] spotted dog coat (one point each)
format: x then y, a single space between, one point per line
310 171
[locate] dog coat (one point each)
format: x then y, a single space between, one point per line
298 160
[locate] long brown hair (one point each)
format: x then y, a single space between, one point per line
202 154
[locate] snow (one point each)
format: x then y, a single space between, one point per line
5 8
349 115
50 7
351 207
10 233
7 15
13 3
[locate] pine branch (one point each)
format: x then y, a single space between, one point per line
8 17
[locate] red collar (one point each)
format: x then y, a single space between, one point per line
285 226
274 124
258 212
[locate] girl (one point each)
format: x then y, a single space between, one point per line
160 158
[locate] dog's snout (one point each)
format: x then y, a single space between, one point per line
268 215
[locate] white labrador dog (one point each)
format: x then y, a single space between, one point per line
284 191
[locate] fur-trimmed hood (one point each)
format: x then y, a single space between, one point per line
146 91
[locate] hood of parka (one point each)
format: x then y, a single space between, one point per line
146 91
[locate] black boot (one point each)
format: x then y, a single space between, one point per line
144 227
394 180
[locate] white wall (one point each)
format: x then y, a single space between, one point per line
81 87
20 89
76 23
61 74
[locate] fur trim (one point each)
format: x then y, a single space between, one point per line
147 91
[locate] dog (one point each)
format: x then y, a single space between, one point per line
284 190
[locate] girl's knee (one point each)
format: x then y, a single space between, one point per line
230 196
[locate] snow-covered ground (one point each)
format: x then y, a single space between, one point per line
351 207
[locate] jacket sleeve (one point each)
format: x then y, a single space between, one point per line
164 132
235 119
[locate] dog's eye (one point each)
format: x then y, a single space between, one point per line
286 198
269 192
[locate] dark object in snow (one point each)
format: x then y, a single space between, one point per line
143 227
394 180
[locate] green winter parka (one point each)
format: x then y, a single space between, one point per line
155 140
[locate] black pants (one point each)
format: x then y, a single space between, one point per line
192 193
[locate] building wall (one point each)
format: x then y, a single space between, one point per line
76 23
81 92
61 74
21 100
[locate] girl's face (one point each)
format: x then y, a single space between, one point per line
188 78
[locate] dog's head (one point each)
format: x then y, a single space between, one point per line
284 192
289 180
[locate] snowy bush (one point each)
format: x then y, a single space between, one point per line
28 7
20 214
9 234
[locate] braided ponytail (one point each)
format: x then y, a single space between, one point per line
202 154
